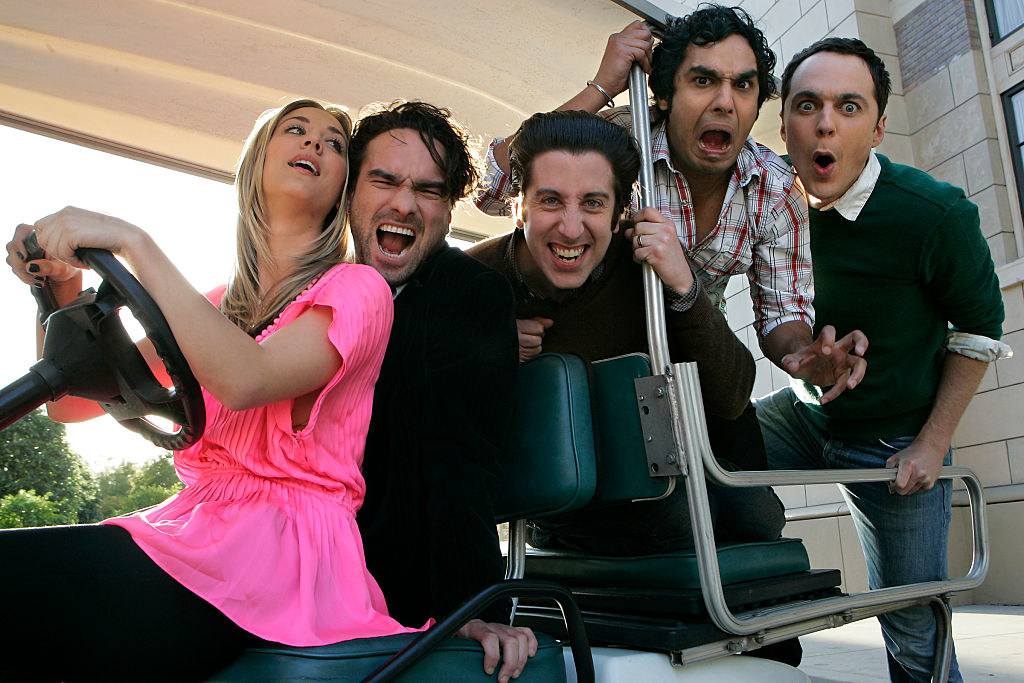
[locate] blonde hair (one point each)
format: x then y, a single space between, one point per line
242 303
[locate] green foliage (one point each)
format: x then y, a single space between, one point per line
26 509
34 456
43 482
128 487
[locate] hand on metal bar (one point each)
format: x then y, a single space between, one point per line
654 241
632 44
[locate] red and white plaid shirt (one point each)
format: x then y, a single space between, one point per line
762 230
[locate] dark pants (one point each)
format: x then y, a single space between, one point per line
86 603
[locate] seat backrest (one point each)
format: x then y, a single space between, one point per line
622 457
575 437
549 462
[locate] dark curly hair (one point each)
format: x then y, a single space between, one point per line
576 132
710 23
844 46
434 125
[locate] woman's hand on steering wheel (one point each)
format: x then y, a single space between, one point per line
35 271
71 228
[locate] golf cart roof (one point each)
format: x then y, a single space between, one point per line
179 83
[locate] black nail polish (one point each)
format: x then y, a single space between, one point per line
20 255
39 278
38 285
33 267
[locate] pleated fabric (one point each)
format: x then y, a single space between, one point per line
265 529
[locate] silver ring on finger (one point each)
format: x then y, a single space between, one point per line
639 242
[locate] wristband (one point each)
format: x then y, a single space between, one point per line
608 98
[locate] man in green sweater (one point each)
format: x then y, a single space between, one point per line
898 255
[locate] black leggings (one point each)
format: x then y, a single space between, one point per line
85 603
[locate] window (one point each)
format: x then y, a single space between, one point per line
1013 105
1004 17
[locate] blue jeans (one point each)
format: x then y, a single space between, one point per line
904 538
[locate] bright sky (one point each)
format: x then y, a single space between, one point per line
191 218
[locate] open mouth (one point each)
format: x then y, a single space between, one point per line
568 254
716 140
823 161
307 165
394 240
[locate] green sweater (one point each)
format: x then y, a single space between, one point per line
913 260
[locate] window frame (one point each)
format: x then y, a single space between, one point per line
993 24
1015 139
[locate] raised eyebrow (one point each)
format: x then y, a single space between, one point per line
597 194
856 96
300 118
336 130
806 95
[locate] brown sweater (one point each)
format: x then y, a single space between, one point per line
606 318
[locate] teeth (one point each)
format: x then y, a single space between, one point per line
397 230
306 165
567 254
391 253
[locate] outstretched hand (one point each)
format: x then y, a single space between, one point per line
632 44
826 362
512 644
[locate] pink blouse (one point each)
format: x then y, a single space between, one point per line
265 529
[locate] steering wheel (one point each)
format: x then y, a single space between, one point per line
88 353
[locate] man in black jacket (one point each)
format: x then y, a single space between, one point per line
442 403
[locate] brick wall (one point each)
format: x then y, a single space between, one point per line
932 35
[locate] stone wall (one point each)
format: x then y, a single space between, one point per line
943 119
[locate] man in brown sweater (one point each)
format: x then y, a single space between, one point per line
578 287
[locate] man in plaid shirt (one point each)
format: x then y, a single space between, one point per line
734 202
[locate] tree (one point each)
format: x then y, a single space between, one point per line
35 459
128 487
26 509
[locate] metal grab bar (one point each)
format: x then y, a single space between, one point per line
654 295
697 452
690 434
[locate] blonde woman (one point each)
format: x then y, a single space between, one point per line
262 543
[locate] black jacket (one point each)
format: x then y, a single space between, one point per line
440 412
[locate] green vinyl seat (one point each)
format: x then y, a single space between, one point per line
738 562
456 660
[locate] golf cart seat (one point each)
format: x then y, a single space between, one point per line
651 601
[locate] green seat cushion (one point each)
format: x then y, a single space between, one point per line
678 571
456 660
548 463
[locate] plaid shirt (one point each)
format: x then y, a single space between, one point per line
762 230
